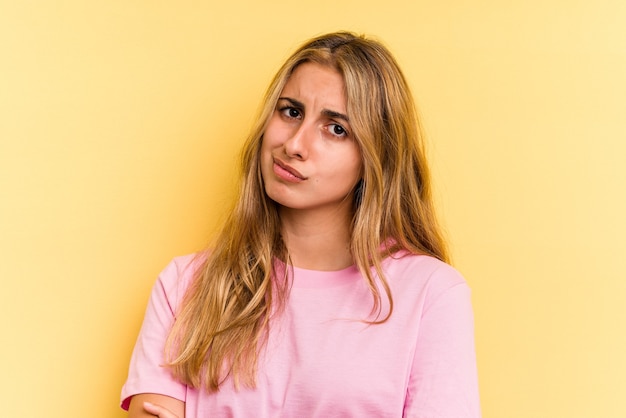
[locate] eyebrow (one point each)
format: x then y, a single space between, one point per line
326 112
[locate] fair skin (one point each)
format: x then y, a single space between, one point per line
310 164
146 405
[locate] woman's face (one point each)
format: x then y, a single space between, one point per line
309 157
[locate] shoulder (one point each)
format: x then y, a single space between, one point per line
176 277
427 275
426 267
181 270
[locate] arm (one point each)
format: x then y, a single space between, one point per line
159 405
443 381
147 375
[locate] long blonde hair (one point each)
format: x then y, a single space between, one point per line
225 316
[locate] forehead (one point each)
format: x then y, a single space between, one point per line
313 80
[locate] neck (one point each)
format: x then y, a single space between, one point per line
317 241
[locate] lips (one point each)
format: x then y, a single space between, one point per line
287 172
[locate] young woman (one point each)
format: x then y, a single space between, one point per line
327 292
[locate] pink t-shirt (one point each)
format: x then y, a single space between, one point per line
321 361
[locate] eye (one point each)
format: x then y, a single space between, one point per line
290 112
337 130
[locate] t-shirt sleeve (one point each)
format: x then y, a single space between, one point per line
443 381
147 373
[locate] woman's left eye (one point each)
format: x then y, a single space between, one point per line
337 130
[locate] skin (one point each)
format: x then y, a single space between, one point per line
152 405
310 164
309 134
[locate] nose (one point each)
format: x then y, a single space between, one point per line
296 146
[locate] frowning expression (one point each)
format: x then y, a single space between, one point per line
309 157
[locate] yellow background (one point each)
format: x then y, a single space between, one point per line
120 122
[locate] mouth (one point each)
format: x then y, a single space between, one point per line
287 172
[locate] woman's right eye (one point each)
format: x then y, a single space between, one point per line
290 112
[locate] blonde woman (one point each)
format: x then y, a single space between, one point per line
327 292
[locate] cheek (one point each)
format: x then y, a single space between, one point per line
268 140
356 164
356 171
265 159
346 170
272 134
